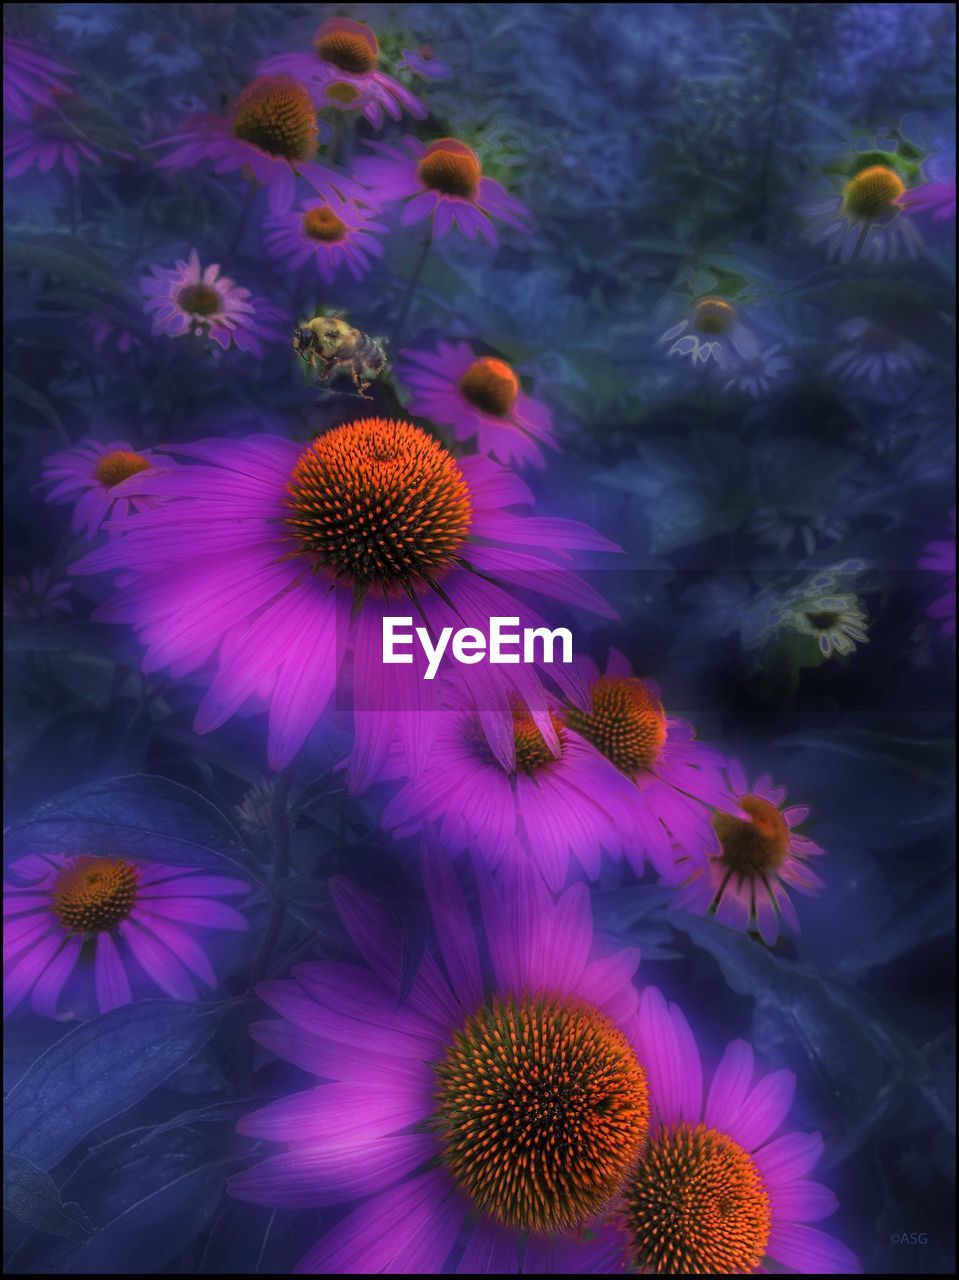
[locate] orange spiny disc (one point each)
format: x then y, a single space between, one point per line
321 223
490 385
349 45
627 722
872 191
752 848
380 502
696 1205
94 894
450 167
119 465
542 1109
275 114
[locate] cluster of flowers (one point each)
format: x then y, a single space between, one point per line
522 1106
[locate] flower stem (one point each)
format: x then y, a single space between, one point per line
280 822
410 291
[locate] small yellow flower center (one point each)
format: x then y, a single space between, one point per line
321 223
351 46
451 167
696 1205
95 894
275 114
542 1108
199 299
712 316
342 91
118 465
627 722
750 850
490 385
380 502
872 191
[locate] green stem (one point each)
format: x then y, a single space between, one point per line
410 291
280 822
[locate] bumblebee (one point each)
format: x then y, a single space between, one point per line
330 345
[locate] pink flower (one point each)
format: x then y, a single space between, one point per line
98 479
761 857
478 396
333 235
443 181
135 919
342 74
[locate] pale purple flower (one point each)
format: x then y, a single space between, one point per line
199 301
940 557
762 856
46 142
869 219
444 182
35 596
332 235
875 358
108 928
424 62
478 396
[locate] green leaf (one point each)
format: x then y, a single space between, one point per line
32 1197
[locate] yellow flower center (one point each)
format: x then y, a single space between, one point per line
627 722
712 316
321 223
542 1108
95 894
872 191
199 299
490 385
342 91
450 167
351 46
275 114
696 1205
379 502
752 849
118 465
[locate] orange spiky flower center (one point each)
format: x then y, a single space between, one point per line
380 502
712 316
696 1205
751 849
450 167
95 894
321 223
275 114
627 722
532 752
349 45
872 191
119 465
490 385
199 299
542 1108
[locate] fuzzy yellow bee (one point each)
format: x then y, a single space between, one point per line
330 345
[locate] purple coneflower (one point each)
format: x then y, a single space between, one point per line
35 596
940 557
279 558
477 396
680 780
443 181
870 219
550 806
718 1189
331 234
712 330
874 357
469 1108
342 73
30 79
270 134
46 141
746 884
93 476
190 299
112 920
